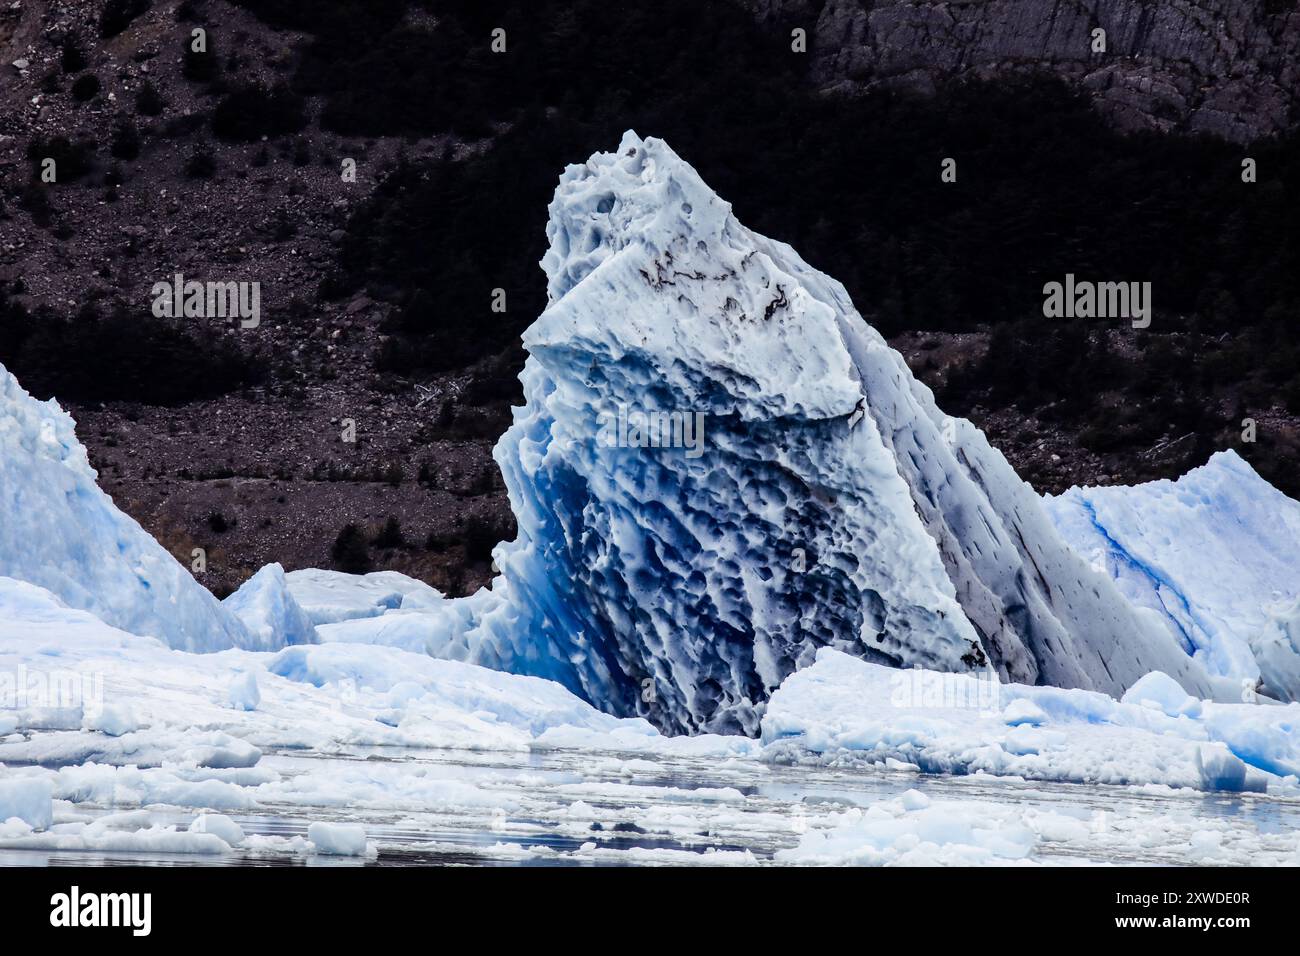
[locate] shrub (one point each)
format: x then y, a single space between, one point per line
1291 397
124 356
118 14
112 182
350 552
199 67
483 533
73 158
148 101
251 112
178 127
201 164
125 143
35 198
71 59
390 535
85 88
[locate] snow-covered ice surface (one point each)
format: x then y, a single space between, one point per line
846 710
812 494
329 597
1216 554
359 754
58 529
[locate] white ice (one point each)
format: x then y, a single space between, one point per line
269 611
1216 554
60 531
842 709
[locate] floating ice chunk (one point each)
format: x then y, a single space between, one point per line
269 612
844 708
915 800
338 839
1022 711
1276 646
1163 692
244 694
219 825
30 799
1220 769
939 833
410 630
114 718
528 703
1267 737
84 837
222 751
1206 845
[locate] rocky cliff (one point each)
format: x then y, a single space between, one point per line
1230 68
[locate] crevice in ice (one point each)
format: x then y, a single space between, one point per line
1160 586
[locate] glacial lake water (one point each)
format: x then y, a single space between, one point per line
558 807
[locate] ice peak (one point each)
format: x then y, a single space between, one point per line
641 193
42 429
829 505
722 314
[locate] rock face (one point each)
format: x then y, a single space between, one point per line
721 468
1230 68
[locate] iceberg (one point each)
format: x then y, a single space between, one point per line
1215 555
268 611
720 475
338 839
59 531
721 468
913 830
